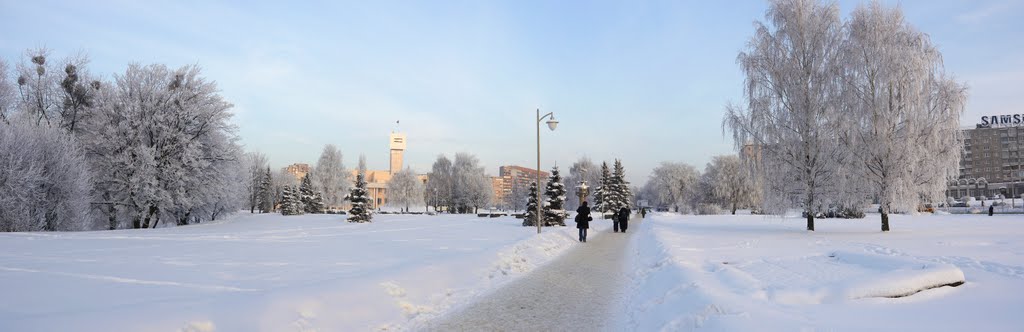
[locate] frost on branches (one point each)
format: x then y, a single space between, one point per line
360 211
44 179
312 201
902 110
828 104
619 195
554 207
291 202
792 99
603 191
530 218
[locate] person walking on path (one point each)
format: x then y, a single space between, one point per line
583 220
621 219
643 213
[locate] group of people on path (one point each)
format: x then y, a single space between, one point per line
620 221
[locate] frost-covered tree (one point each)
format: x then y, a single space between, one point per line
730 183
312 201
674 185
440 184
471 187
279 182
291 202
256 164
554 205
44 178
517 197
902 110
603 190
618 196
38 87
582 169
265 194
330 176
530 218
7 95
792 93
360 211
405 189
160 144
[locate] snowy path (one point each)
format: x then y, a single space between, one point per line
580 291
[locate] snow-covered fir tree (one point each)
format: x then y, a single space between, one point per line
618 194
291 203
554 207
266 192
312 201
360 211
531 207
601 193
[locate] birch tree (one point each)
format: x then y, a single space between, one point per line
730 182
673 185
256 164
405 189
791 90
440 183
902 111
330 176
471 188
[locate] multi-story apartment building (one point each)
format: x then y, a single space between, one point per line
991 160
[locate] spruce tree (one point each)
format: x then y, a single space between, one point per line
357 195
602 191
266 197
554 210
291 204
308 197
531 207
619 195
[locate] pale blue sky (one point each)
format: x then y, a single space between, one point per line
641 81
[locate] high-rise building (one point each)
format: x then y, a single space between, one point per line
520 176
991 161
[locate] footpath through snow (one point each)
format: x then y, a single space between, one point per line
580 291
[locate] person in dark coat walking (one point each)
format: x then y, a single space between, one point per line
583 220
622 219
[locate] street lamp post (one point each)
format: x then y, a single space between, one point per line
552 123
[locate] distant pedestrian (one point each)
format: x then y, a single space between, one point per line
583 220
991 209
621 220
643 213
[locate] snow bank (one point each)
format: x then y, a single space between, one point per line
266 273
768 273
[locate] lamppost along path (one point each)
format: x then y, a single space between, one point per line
552 123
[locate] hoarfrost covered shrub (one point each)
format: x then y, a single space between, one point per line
44 179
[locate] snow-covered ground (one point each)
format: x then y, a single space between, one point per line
747 273
317 272
264 273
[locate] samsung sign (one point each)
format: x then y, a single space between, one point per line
1001 120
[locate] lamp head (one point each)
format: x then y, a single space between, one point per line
552 123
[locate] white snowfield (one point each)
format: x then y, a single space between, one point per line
754 273
319 273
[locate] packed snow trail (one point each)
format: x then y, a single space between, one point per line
580 291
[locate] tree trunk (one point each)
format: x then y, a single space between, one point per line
734 208
885 221
810 221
